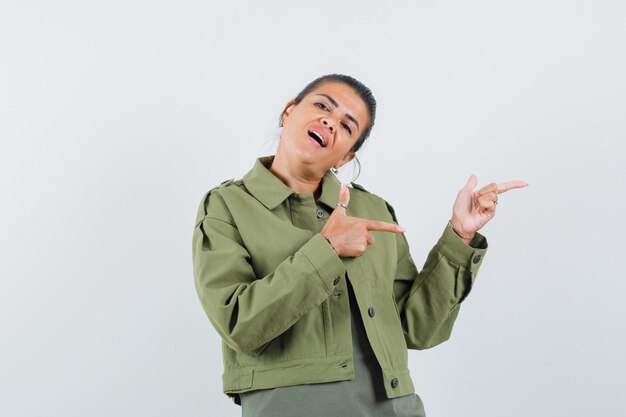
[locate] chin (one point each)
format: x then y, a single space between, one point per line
305 156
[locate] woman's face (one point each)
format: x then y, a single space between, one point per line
319 131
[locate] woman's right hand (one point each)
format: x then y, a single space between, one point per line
348 235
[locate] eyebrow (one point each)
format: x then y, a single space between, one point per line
348 116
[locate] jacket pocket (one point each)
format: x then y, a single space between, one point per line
307 338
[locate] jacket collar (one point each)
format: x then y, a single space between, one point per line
271 191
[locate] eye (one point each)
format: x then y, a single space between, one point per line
345 126
321 106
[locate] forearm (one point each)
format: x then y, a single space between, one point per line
249 311
429 302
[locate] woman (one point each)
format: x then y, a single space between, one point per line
311 285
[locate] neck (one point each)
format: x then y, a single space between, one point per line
295 178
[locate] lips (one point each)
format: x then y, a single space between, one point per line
318 136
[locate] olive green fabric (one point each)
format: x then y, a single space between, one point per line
363 396
265 278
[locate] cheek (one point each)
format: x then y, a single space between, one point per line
350 142
354 144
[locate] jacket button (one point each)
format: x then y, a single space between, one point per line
320 214
336 281
476 259
371 311
395 383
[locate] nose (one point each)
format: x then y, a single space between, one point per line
329 123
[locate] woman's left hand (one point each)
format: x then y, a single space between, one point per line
473 209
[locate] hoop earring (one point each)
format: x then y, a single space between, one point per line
334 170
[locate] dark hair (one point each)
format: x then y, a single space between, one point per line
358 87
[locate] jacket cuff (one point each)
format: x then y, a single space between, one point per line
325 260
459 252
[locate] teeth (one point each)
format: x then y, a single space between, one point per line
317 137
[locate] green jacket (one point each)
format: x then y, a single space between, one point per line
276 291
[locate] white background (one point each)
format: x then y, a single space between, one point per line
117 116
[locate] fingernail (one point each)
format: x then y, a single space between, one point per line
401 229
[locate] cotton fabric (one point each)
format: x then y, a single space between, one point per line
363 396
266 278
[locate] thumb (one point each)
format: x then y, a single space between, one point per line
344 195
471 183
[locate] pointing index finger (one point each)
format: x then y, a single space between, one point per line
506 186
383 226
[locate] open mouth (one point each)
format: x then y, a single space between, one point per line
317 137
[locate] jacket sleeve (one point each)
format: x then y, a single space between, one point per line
248 311
428 301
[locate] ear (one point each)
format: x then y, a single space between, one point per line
287 110
349 157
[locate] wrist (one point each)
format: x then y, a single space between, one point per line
464 237
330 243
